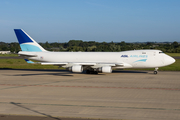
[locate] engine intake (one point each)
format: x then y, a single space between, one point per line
76 68
105 69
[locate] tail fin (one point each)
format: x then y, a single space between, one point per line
26 42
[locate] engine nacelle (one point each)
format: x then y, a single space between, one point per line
105 69
76 68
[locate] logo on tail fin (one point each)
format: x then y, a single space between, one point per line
26 42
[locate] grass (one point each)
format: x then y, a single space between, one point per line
174 54
8 55
21 64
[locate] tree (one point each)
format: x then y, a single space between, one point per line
175 44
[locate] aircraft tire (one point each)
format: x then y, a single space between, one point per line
155 72
95 72
88 72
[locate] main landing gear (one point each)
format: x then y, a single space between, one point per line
156 71
91 72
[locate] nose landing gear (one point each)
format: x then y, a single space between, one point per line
156 71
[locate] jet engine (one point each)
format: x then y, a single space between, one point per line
105 69
76 68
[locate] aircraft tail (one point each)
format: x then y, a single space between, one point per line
26 42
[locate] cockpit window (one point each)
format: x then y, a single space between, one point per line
161 52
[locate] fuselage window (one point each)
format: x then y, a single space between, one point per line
143 52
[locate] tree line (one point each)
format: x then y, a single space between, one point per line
92 46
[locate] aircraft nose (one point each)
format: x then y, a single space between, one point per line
169 60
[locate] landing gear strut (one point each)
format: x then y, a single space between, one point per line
156 71
91 72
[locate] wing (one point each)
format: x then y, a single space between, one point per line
91 66
87 64
84 64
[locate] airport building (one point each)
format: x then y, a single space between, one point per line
5 52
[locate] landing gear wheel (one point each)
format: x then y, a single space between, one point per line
91 72
155 72
87 72
95 72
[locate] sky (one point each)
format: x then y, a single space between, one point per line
91 20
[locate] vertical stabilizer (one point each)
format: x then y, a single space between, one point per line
26 42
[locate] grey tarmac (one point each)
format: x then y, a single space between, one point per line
59 94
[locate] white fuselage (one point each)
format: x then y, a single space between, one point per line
130 59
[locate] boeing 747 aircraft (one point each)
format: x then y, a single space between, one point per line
91 62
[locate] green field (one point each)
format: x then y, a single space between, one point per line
174 54
8 55
21 64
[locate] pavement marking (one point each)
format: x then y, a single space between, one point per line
18 86
42 85
68 105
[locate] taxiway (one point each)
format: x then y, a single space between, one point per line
135 95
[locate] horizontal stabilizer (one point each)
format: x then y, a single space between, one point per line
28 61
